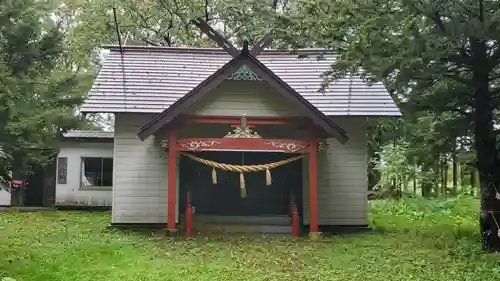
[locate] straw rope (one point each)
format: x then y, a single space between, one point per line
242 169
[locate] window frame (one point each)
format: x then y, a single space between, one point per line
93 187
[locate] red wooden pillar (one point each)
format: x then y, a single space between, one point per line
313 190
172 180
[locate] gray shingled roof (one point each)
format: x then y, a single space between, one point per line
88 134
152 78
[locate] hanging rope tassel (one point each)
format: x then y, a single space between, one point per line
269 179
242 169
243 190
214 176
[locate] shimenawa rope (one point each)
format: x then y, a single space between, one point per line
242 169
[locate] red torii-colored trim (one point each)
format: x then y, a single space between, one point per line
234 144
238 144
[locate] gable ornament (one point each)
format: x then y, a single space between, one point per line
322 145
164 143
243 131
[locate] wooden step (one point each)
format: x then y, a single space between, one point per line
240 228
277 224
277 220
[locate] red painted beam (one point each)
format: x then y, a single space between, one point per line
282 145
172 180
313 189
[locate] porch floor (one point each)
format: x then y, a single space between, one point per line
269 224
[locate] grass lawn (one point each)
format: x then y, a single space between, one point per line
423 240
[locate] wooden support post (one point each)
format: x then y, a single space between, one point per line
172 181
189 215
313 191
295 221
291 204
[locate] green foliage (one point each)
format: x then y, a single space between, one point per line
162 22
422 240
393 165
453 216
38 95
439 59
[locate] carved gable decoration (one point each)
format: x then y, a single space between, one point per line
243 133
244 73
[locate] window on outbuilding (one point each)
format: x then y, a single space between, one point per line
97 171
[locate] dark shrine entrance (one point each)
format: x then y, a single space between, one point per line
224 197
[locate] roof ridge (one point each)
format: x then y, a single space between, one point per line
94 131
207 49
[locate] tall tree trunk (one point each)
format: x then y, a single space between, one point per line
373 147
414 179
472 181
371 170
488 163
455 171
437 176
426 189
462 174
445 177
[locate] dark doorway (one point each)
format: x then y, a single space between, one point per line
224 197
33 195
40 191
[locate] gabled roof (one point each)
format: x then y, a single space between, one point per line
244 58
150 79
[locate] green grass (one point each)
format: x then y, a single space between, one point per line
422 240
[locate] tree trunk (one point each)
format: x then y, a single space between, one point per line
488 163
462 174
373 147
437 176
414 179
372 179
426 189
445 177
455 171
472 181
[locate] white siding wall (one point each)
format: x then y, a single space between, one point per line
234 98
342 177
71 194
140 174
4 196
140 171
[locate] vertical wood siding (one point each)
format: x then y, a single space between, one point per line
342 178
140 174
253 98
140 191
4 196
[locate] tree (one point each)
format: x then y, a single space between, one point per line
394 168
448 50
38 93
164 22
